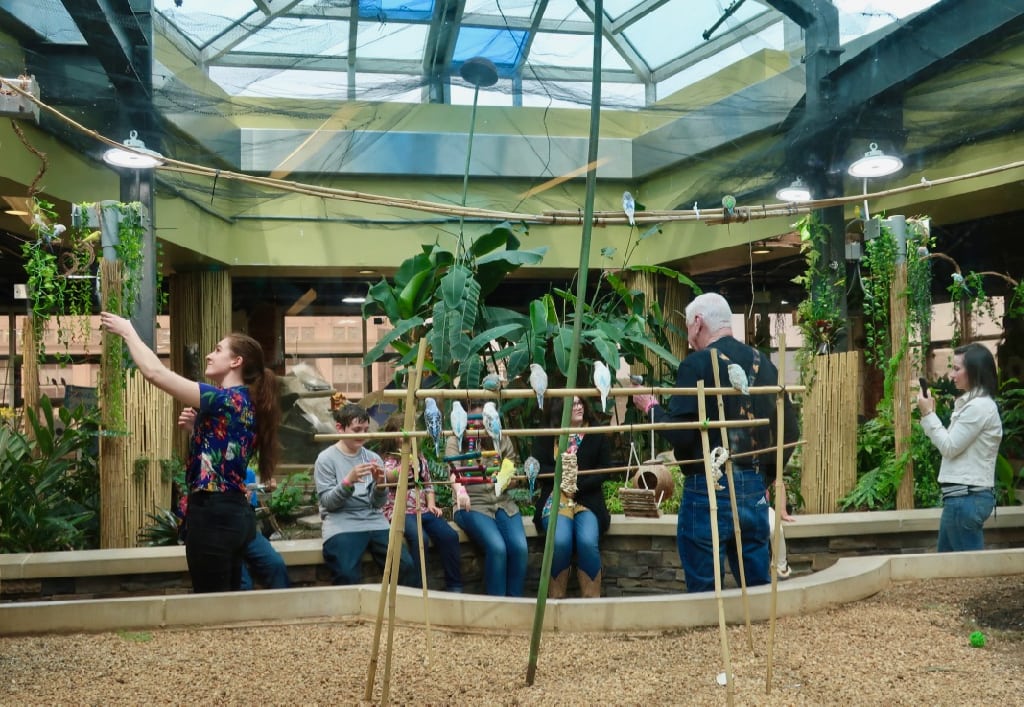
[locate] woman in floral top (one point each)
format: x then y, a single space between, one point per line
234 418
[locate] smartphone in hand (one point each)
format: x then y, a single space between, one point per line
924 386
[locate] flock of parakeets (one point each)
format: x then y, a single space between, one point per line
491 420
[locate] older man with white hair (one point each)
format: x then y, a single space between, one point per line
709 330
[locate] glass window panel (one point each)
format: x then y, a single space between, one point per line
563 10
392 41
676 28
392 10
501 46
287 35
571 50
500 94
202 26
506 8
396 88
275 83
770 38
860 17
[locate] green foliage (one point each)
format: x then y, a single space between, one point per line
818 314
878 269
1011 410
50 262
162 529
289 495
49 482
877 487
1006 481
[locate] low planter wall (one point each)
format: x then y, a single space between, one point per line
639 557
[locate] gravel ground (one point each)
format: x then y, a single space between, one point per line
908 645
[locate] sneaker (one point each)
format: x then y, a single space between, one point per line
784 572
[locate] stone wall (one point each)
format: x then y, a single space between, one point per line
639 557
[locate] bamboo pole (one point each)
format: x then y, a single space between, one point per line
737 532
389 581
780 507
577 329
899 334
547 431
570 391
705 441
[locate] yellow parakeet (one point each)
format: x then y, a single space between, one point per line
504 476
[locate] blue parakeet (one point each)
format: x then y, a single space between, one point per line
459 420
959 281
603 382
629 206
492 382
432 419
492 423
531 467
504 475
539 382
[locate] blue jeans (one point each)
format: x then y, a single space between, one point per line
581 530
693 531
343 554
264 561
960 527
445 539
503 541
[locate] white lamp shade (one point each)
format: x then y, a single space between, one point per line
875 163
137 156
797 191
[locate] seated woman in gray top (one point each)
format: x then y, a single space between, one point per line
969 448
348 485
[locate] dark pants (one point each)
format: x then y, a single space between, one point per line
343 555
445 539
220 525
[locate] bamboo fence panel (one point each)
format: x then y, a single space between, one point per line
200 314
113 501
150 414
901 385
672 297
830 429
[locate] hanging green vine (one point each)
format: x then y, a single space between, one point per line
60 286
818 315
919 287
878 268
123 301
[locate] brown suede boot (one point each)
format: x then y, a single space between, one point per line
589 588
558 585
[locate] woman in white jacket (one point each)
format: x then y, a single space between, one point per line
969 448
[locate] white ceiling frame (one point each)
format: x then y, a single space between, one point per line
241 31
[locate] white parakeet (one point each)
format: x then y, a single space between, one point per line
531 467
629 206
539 382
492 423
603 382
432 419
738 378
459 420
504 475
